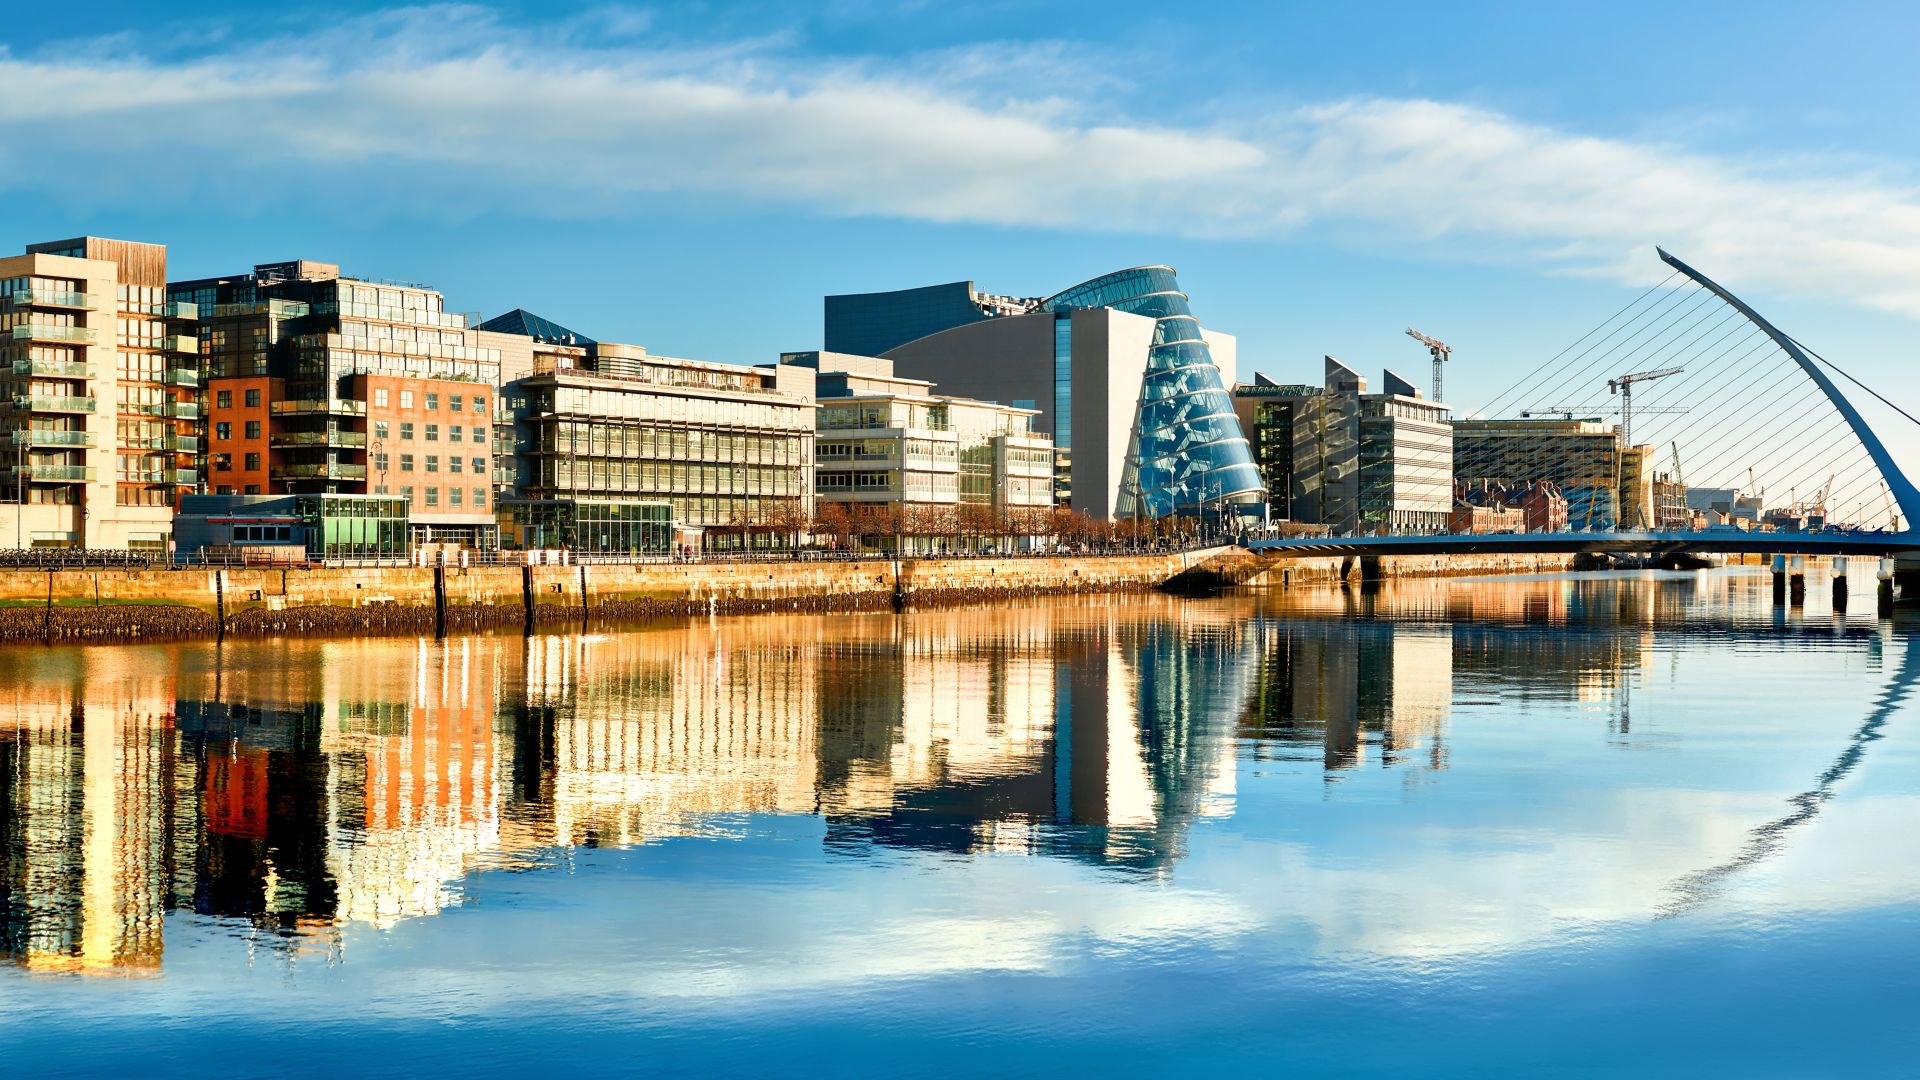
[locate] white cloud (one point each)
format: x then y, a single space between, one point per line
447 111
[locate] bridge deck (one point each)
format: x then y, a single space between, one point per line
1713 542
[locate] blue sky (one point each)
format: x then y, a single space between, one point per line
694 177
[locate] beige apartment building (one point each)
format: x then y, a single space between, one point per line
101 412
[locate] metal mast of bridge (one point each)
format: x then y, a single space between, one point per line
1441 354
1623 385
1905 495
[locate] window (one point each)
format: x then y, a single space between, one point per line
380 461
406 492
453 432
225 489
479 464
253 399
479 404
223 463
253 429
380 397
479 434
433 432
406 462
453 496
253 462
406 399
223 430
406 429
433 400
433 496
453 463
379 429
433 462
453 402
223 399
479 498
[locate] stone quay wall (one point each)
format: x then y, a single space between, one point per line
108 604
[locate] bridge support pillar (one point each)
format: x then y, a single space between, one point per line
1370 570
1797 581
1839 572
1907 581
1779 581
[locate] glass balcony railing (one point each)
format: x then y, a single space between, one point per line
182 377
182 444
50 298
319 438
53 369
324 472
184 477
55 404
180 309
181 343
337 408
37 437
183 410
79 335
54 473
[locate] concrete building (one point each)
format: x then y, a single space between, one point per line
320 383
729 447
1131 390
1352 460
949 467
101 412
1607 485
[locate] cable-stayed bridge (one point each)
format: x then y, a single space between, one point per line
1688 366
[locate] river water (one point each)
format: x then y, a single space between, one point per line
1588 825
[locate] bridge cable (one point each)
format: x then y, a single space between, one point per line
1523 379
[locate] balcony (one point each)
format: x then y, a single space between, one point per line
53 369
52 473
38 437
179 309
332 437
69 335
333 408
48 298
324 472
54 404
183 477
180 343
182 377
182 444
183 410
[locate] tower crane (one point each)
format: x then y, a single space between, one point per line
1441 354
1623 385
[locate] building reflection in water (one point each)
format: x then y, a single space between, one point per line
287 790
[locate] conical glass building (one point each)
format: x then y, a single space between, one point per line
1133 392
1188 453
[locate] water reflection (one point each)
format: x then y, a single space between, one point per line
290 790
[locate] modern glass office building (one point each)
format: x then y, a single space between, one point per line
1133 391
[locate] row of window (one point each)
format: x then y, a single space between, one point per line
432 461
431 400
223 399
455 432
430 496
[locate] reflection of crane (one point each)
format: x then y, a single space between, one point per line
1623 385
1440 352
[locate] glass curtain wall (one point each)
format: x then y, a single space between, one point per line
1188 455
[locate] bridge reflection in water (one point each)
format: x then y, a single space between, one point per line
289 790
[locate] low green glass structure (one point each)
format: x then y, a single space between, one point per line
588 526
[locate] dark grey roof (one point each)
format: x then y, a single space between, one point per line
546 331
